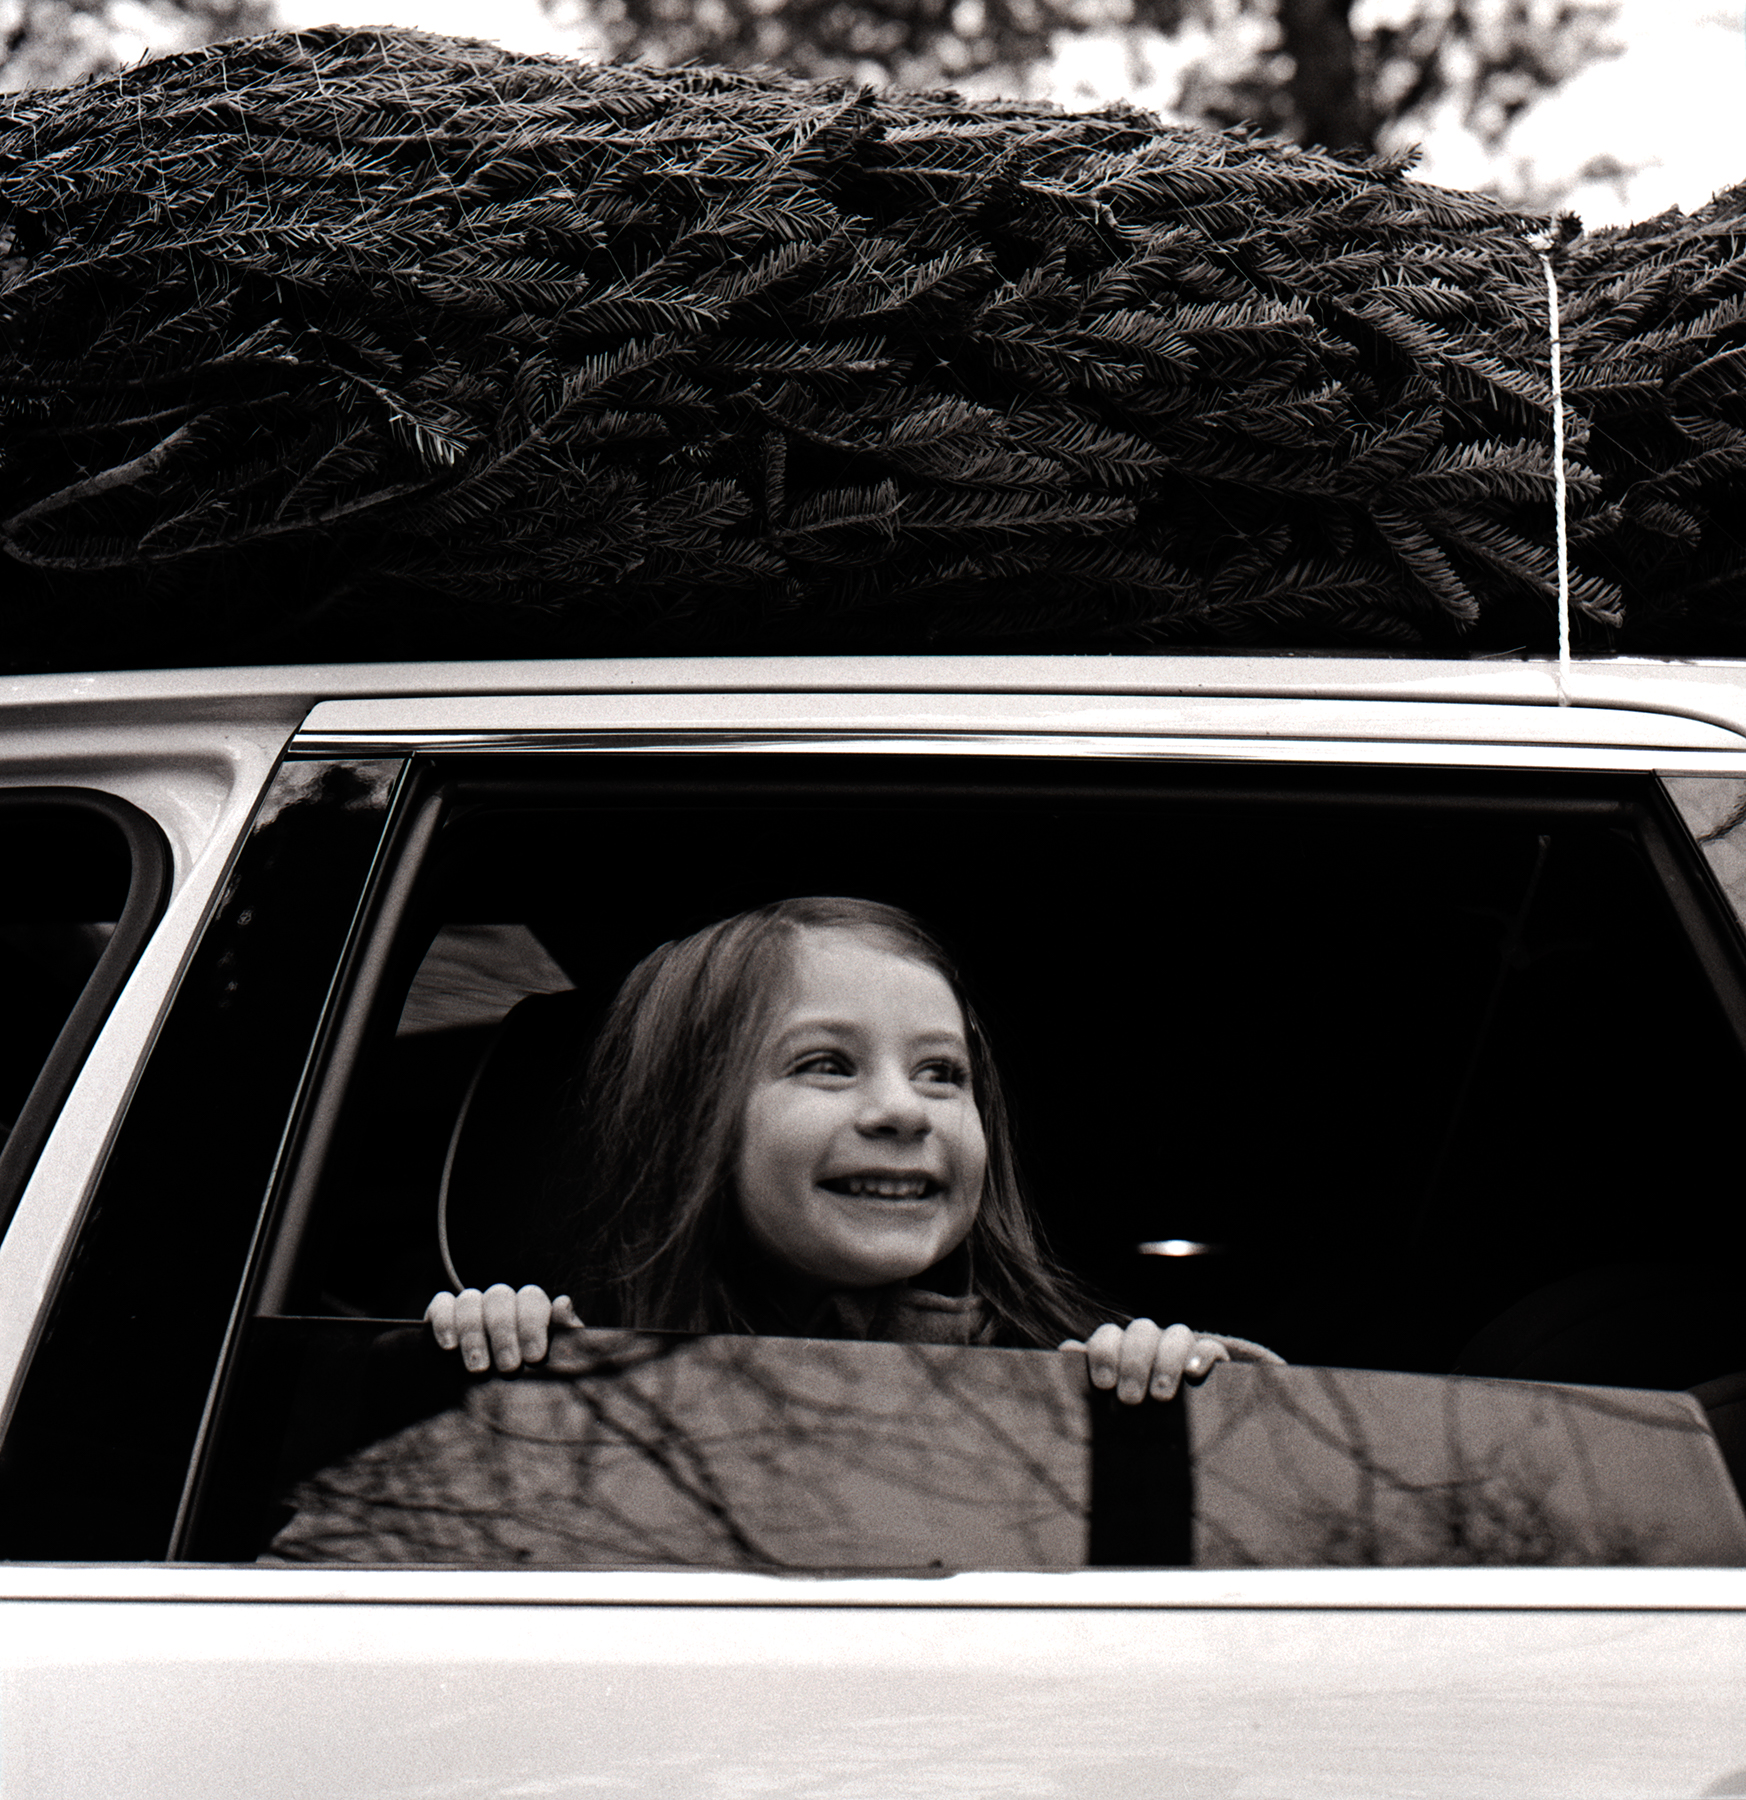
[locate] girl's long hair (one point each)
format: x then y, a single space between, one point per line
659 1243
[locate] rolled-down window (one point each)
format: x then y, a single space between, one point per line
85 879
1395 1074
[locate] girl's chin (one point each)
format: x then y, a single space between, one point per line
867 1243
882 1266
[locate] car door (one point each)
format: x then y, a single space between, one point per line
1398 1029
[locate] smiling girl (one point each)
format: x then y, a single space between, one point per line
796 1128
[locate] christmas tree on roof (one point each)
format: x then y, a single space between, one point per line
344 343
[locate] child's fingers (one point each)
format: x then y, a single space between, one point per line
1143 1358
470 1330
502 1326
1103 1355
1171 1355
533 1312
1139 1356
564 1312
440 1315
1206 1352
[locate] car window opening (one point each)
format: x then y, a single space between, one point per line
1280 1052
1365 1015
1385 992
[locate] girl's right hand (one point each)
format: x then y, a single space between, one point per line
1140 1358
500 1326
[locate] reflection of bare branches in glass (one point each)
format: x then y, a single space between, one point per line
1343 1468
630 1450
744 1453
1714 809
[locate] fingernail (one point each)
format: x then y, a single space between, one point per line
1195 1365
1103 1378
478 1361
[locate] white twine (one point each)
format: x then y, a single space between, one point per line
1542 242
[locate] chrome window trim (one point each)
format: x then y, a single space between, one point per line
1703 1590
975 713
1062 745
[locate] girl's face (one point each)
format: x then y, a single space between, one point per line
862 1155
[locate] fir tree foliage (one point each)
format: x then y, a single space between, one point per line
373 343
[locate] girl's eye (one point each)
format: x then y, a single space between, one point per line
944 1073
822 1062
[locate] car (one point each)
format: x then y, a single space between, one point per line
1391 1013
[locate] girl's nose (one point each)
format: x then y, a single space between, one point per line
892 1108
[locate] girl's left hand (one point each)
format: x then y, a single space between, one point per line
1143 1358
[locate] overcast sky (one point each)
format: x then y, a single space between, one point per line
1671 109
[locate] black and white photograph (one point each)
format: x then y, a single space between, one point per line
874 902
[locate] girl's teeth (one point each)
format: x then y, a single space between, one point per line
887 1189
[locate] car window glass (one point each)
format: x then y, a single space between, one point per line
166 1237
1714 808
475 975
76 865
631 1450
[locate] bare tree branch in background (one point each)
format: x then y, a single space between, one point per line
54 43
1325 88
1293 68
1298 69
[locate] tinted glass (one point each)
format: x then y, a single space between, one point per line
94 1461
1714 810
629 1450
84 881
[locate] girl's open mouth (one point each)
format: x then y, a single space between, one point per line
883 1187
